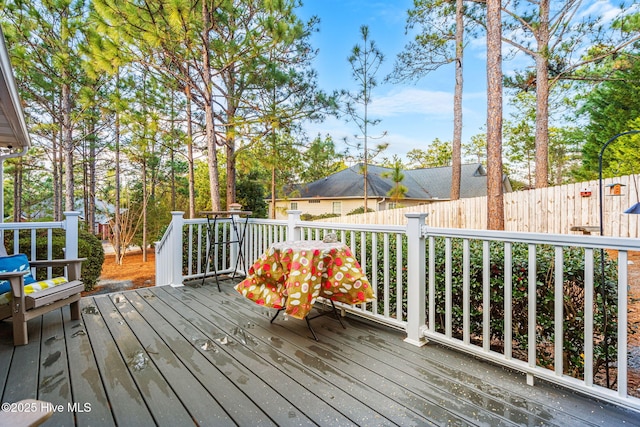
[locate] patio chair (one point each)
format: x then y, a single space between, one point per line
23 298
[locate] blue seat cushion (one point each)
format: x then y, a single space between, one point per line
17 262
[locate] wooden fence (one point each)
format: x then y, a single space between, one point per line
544 210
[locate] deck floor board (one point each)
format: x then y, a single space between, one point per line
182 356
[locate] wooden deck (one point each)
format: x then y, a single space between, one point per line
183 356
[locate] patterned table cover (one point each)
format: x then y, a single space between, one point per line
293 274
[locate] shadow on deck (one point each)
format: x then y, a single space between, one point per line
183 356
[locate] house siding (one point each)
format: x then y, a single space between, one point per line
317 207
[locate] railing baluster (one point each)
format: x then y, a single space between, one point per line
558 315
531 312
466 293
486 296
448 293
508 300
588 317
623 266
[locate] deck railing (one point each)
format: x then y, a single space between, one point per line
13 232
480 292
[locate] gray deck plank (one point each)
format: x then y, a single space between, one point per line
345 392
6 353
158 394
522 403
53 384
235 377
477 390
225 364
22 382
85 380
185 379
128 405
428 404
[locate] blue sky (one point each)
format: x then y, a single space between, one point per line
413 114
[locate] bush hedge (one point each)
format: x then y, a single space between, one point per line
573 296
89 246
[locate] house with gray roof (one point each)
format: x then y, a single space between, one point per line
343 191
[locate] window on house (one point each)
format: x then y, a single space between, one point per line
314 201
392 205
293 206
337 208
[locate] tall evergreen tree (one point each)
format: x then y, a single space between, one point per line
562 38
495 196
365 61
438 41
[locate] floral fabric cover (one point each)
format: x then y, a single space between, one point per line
292 275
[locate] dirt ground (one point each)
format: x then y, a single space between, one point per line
142 274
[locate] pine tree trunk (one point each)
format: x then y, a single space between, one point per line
212 158
67 141
117 214
273 192
145 200
192 179
17 190
495 202
542 98
456 151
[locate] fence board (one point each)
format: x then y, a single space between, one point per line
543 210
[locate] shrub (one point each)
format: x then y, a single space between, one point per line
573 300
573 296
309 217
89 246
360 210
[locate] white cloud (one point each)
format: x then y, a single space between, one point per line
412 101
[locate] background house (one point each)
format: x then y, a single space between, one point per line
343 191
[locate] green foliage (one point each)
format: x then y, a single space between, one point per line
573 282
612 108
359 210
88 247
309 217
573 295
250 194
398 191
321 160
439 153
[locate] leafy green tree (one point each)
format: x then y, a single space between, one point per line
476 149
281 155
612 108
439 153
321 159
44 39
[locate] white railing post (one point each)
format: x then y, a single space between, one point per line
416 287
71 234
293 231
177 221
